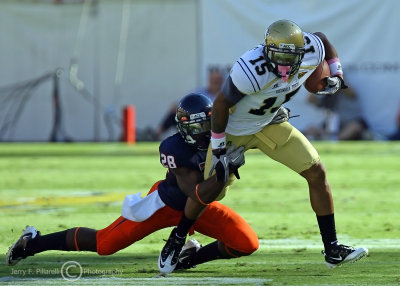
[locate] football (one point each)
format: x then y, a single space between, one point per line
316 82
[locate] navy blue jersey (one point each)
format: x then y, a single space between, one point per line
176 153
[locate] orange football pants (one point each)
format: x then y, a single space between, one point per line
218 221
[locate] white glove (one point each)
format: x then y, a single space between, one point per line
333 84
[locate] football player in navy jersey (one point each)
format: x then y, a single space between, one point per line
249 112
184 155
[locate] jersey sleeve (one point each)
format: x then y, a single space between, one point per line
243 73
231 92
314 49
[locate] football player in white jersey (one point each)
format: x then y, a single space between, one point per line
248 112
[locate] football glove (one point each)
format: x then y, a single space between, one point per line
333 84
282 115
235 159
220 163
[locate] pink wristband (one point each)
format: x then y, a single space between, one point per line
217 135
335 67
218 140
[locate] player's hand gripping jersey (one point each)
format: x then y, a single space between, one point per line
263 91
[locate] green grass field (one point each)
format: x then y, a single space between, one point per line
59 186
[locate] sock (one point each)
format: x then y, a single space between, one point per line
207 253
52 241
326 225
184 226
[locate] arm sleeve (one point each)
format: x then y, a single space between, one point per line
231 92
315 51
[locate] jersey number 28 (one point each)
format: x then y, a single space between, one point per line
168 161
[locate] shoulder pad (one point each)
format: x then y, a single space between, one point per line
314 50
247 71
173 151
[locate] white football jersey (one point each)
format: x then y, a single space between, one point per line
265 92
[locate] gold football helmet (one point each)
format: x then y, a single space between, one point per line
284 48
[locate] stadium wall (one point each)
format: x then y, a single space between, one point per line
169 45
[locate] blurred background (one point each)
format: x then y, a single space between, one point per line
70 67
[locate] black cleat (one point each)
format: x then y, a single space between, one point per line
17 251
339 254
186 256
168 258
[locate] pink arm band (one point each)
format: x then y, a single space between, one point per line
334 60
217 135
335 67
218 140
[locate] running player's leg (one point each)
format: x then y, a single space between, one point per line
295 151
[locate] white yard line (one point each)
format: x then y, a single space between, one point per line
295 243
169 280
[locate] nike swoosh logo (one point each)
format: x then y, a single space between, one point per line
162 263
234 159
337 259
183 257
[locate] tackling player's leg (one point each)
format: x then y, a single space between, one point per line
119 235
31 242
235 237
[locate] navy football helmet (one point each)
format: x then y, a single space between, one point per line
193 117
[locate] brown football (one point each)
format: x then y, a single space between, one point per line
316 81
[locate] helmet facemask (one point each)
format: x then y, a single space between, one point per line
284 48
283 62
196 132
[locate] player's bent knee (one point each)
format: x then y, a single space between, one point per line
243 252
316 173
252 246
245 247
